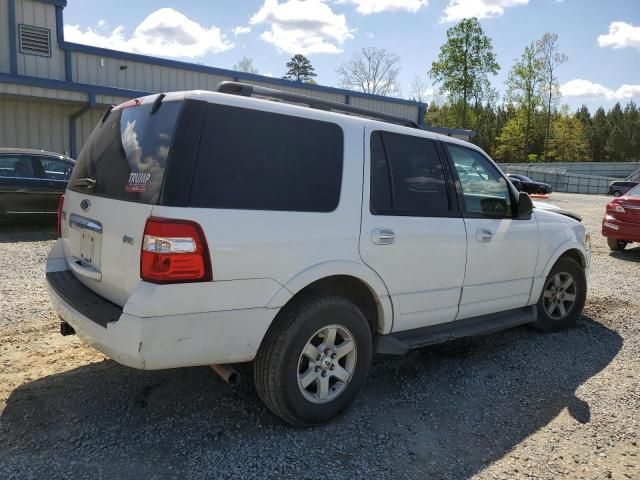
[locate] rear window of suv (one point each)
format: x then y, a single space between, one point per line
254 160
125 156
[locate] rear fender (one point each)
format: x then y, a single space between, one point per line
340 267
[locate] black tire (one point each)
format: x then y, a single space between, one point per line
616 245
564 266
277 362
617 193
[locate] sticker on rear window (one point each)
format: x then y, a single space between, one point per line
137 181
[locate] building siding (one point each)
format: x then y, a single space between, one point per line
5 60
42 93
106 71
34 124
42 15
399 109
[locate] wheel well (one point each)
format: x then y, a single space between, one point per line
348 287
575 255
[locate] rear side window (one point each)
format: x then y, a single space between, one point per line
16 167
256 160
407 177
125 157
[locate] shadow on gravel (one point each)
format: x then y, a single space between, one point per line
629 254
27 231
442 412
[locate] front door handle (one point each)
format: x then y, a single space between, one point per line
484 235
383 236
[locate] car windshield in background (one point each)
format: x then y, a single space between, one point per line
125 157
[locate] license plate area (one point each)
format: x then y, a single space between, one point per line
85 241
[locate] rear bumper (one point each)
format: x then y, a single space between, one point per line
156 342
614 228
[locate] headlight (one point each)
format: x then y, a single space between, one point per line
587 240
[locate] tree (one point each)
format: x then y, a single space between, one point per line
568 142
420 91
245 65
523 84
463 65
300 69
373 70
552 58
511 141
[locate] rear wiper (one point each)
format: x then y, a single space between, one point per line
84 182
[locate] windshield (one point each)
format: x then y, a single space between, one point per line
125 157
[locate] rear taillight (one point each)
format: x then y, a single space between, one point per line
174 251
614 206
59 225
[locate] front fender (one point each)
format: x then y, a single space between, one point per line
562 249
340 267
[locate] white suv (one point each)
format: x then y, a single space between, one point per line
209 228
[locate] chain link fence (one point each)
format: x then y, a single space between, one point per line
560 179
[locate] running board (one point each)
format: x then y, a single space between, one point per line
399 343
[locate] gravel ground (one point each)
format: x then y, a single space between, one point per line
517 404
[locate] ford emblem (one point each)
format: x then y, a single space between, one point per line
85 205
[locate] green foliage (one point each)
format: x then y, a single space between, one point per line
464 63
300 69
567 142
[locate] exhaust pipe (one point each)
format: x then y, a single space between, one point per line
66 329
227 373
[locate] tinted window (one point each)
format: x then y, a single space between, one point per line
55 169
265 161
484 189
407 177
125 157
17 166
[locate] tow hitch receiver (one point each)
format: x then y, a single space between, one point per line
66 329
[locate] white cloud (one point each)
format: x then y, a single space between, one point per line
621 35
164 32
367 7
459 9
297 26
587 89
241 30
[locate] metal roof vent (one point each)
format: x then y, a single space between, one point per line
34 40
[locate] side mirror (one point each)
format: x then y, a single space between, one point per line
525 205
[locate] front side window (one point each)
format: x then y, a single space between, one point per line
407 177
55 169
485 190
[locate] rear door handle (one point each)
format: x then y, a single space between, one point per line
484 235
383 236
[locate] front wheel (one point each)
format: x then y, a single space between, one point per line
563 296
616 245
314 360
617 193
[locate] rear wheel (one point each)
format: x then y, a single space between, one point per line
563 296
314 360
616 245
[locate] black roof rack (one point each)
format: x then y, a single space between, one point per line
248 90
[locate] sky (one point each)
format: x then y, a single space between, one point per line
600 37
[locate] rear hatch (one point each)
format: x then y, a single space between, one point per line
117 180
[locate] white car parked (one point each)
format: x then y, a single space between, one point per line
207 228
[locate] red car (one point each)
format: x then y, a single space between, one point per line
621 223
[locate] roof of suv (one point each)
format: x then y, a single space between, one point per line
30 151
303 110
